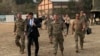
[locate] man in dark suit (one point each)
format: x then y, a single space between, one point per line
32 33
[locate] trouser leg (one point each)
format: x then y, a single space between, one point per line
67 28
61 47
55 43
76 42
22 43
36 46
83 35
29 45
81 40
17 41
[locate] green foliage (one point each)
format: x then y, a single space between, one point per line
18 2
87 5
75 7
27 7
5 9
22 6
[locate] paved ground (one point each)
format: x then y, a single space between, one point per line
8 47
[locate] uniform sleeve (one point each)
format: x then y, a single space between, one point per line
25 24
83 19
38 24
50 30
84 25
45 22
64 28
15 27
73 26
69 19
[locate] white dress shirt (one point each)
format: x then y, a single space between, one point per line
31 22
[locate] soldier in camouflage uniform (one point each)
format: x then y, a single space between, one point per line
78 27
48 23
56 29
84 19
19 32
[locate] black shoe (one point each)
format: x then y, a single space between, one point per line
77 51
36 55
55 54
82 49
22 52
62 54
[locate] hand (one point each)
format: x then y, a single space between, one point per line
83 29
51 42
65 35
73 30
25 33
34 24
72 33
15 33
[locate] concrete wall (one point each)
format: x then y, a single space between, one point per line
10 18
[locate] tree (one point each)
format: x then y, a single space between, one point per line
5 9
76 7
72 8
25 6
86 6
15 6
18 2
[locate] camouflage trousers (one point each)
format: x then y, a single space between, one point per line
58 42
79 35
20 42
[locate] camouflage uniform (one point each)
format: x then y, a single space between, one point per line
84 20
19 29
78 26
48 23
56 29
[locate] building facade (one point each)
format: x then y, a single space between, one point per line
49 7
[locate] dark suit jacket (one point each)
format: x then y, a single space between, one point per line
33 29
